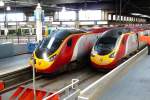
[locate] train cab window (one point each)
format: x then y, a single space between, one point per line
114 33
121 31
53 42
77 31
108 41
126 30
105 45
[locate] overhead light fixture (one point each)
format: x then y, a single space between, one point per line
8 8
1 3
136 14
140 15
63 9
146 16
53 5
143 16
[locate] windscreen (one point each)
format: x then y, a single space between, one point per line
105 45
50 44
107 42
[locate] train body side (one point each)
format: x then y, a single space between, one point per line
84 46
125 45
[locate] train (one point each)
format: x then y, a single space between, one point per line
98 29
61 48
116 44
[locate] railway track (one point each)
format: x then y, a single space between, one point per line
57 83
14 79
21 77
51 83
85 77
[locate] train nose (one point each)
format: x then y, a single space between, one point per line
41 64
101 60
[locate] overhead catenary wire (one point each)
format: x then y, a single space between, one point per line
120 11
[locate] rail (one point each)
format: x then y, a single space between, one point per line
14 79
73 85
99 87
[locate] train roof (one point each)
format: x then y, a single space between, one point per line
72 30
98 29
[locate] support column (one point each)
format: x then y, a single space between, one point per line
77 22
6 31
0 31
38 16
5 23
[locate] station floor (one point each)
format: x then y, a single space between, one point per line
135 85
14 63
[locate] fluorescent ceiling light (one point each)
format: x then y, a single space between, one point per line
145 16
68 23
1 3
140 15
136 14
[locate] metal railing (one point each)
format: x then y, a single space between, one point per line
66 90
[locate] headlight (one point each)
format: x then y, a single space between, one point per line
45 57
93 53
52 58
49 58
112 55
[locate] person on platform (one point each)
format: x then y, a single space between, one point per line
147 40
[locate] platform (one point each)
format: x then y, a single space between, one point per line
133 86
14 63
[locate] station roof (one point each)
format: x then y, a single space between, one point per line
127 6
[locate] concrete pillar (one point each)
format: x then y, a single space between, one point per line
77 22
6 31
30 31
0 30
38 16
